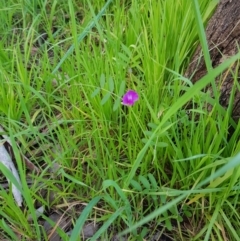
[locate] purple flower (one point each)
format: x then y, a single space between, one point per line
130 98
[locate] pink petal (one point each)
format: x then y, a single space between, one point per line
130 98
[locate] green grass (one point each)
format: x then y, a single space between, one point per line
133 170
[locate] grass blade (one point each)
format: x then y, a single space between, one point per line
81 220
82 35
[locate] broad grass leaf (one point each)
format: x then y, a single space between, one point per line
112 202
122 88
117 103
72 179
111 183
124 58
154 143
148 133
122 195
228 222
102 80
111 84
152 125
105 98
163 199
95 92
174 210
4 227
145 182
82 219
185 210
136 186
126 50
168 223
106 224
108 95
153 181
144 232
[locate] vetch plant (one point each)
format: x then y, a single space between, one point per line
130 98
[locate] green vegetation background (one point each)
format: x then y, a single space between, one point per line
64 66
